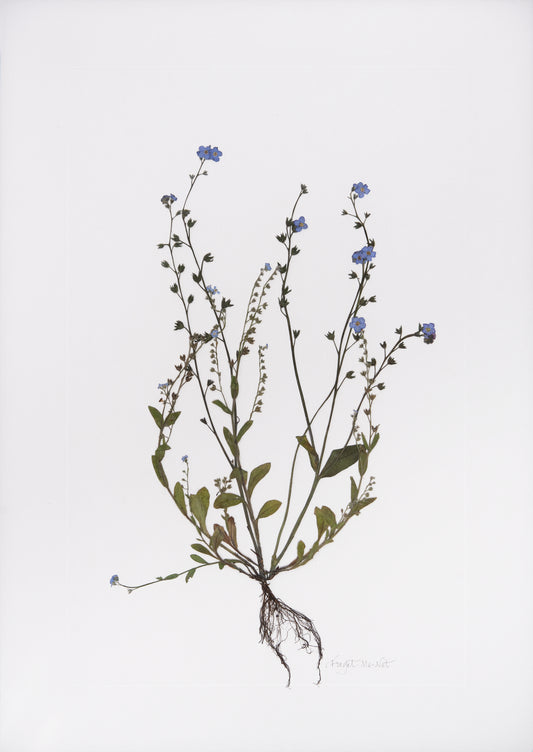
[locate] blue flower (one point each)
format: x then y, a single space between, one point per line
360 189
163 386
267 267
215 333
368 252
206 152
357 324
299 224
212 289
428 330
185 458
215 154
168 199
365 254
114 579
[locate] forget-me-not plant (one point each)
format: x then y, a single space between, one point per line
226 514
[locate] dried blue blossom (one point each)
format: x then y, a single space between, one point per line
185 458
357 324
429 333
299 224
267 267
365 254
114 579
215 154
214 333
208 152
360 189
168 199
212 290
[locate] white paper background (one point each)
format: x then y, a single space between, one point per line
103 107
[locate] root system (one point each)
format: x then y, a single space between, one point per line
277 620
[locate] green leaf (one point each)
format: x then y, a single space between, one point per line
246 427
374 441
303 441
197 558
329 516
156 415
257 474
158 467
217 537
199 505
363 503
230 441
179 498
268 508
234 387
222 406
170 577
221 564
160 452
300 549
339 460
363 462
171 419
225 500
324 518
201 549
353 489
190 574
232 530
320 522
239 474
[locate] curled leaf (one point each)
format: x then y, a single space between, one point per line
303 441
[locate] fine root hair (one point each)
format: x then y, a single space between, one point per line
277 620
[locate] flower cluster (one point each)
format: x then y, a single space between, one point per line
208 152
357 324
212 290
168 200
360 189
365 254
299 224
428 330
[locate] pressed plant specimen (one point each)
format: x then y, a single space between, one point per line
228 530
